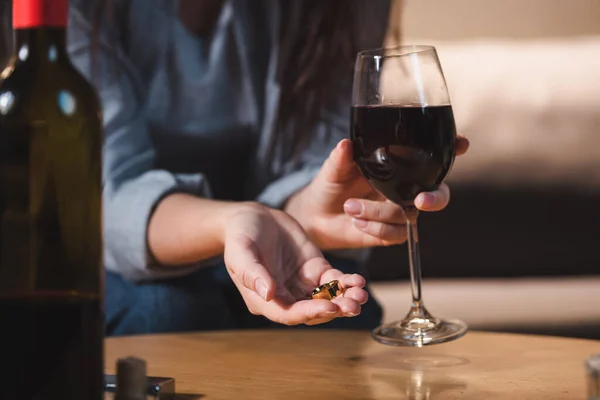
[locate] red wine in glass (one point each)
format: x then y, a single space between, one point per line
403 150
403 135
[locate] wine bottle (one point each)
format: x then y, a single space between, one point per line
51 291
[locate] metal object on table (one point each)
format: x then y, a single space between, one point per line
328 291
131 379
592 369
131 382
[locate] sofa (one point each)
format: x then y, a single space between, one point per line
516 250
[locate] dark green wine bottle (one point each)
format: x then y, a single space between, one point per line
51 291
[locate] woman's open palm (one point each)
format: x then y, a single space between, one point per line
275 267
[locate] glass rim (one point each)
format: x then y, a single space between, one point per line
397 51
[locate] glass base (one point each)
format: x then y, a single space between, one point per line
419 329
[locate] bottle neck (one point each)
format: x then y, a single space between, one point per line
40 44
40 28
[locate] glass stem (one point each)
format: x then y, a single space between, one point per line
414 257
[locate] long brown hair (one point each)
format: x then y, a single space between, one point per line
318 42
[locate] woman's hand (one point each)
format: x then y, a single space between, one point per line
275 267
339 209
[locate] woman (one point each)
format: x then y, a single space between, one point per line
218 118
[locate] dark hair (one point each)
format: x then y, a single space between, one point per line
319 43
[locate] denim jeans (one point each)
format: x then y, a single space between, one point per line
204 300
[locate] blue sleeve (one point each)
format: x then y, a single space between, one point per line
132 188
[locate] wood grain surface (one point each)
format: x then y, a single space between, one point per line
315 364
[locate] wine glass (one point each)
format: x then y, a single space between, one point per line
403 135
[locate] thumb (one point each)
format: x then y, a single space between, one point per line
256 278
339 166
246 270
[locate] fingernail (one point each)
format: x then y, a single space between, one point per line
360 223
353 207
353 314
261 288
326 314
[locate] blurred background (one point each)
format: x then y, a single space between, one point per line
518 247
6 39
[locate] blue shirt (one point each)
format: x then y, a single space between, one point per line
189 114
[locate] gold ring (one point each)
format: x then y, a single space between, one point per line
328 291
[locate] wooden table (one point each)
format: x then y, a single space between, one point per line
311 364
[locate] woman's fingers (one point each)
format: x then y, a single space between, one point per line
372 210
352 284
318 311
346 280
339 167
303 312
319 321
380 233
312 312
348 307
357 294
462 145
439 199
382 221
244 266
390 213
433 201
353 296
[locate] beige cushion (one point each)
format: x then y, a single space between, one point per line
531 109
510 19
524 78
500 303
